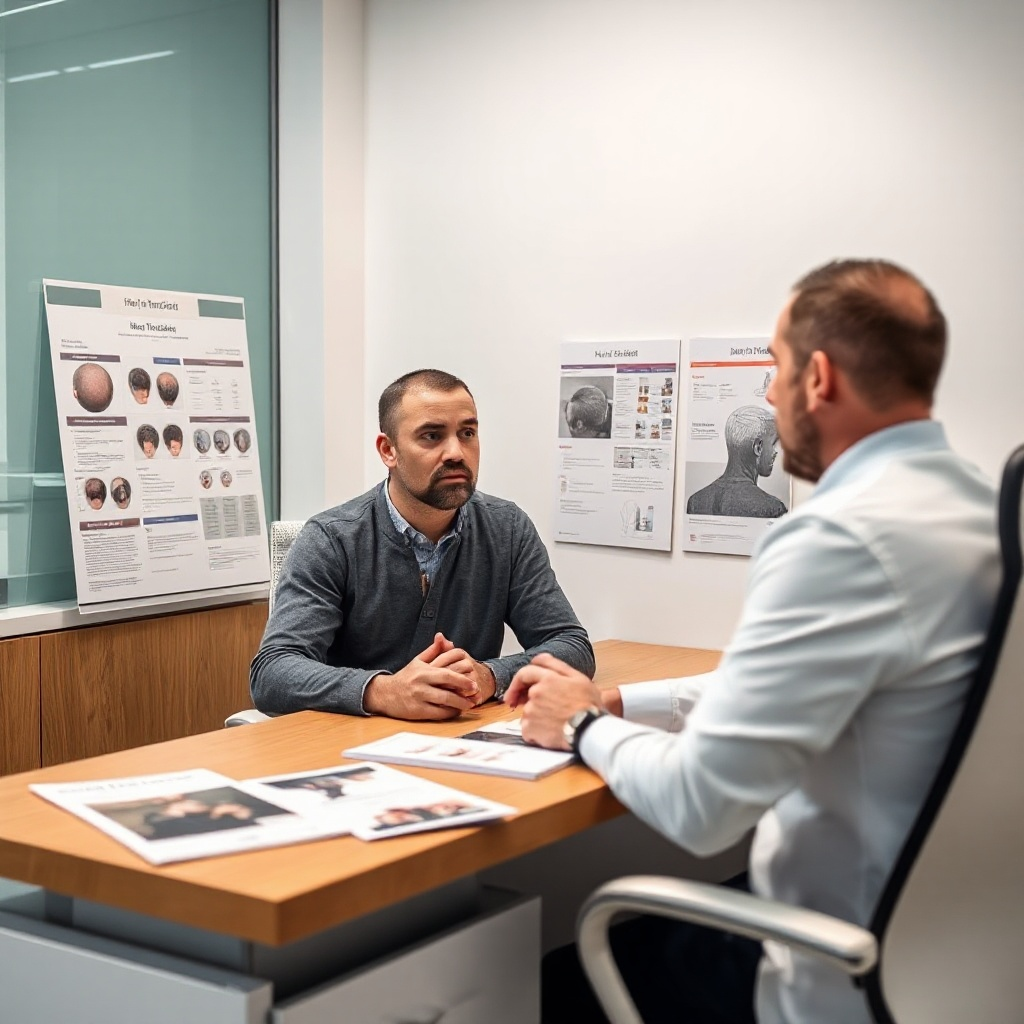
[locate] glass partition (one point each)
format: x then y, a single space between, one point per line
135 149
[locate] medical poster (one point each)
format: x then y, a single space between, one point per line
161 462
733 480
617 410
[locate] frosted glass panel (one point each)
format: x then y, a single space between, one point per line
136 150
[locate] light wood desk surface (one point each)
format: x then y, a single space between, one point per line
280 895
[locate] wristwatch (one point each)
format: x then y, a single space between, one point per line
572 731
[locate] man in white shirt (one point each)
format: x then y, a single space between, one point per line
864 617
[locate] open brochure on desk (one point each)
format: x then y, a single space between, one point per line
373 801
497 749
186 815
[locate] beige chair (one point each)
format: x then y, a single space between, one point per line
282 536
944 942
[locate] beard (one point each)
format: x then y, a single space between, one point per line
447 495
802 456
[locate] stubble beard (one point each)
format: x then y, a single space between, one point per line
802 458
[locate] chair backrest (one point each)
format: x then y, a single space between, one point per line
951 917
282 535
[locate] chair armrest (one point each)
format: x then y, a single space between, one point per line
838 943
247 717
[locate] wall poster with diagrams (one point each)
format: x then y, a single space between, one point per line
733 481
158 439
617 414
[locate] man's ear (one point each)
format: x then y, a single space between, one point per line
387 451
758 446
819 380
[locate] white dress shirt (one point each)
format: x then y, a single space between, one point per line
865 611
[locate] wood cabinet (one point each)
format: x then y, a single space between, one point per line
19 705
95 690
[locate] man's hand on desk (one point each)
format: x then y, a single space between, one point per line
551 693
459 661
429 687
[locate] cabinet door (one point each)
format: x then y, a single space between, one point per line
126 684
19 705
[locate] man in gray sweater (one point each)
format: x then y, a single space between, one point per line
395 602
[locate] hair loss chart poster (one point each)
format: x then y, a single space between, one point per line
733 480
616 443
154 401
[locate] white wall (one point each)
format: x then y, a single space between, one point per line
549 170
320 217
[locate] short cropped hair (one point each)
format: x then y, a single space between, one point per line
167 387
747 424
138 379
877 322
392 395
93 387
589 405
172 432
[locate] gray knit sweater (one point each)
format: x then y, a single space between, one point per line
349 604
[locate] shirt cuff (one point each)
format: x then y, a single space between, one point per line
602 737
663 703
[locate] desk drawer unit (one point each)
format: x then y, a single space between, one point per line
483 970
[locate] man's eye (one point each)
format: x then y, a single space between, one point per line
469 432
429 436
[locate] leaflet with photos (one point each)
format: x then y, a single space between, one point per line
373 801
187 815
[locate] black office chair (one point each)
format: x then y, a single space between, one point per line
945 940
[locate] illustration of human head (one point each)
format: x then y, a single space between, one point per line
95 492
752 440
225 478
173 439
167 387
139 382
586 412
242 440
201 439
221 441
206 479
121 492
92 387
149 439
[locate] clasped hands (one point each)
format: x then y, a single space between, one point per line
441 682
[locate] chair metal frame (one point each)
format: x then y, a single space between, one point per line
859 952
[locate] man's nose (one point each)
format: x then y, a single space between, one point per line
453 451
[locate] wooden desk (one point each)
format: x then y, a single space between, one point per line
282 895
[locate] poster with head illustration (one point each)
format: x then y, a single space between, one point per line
733 481
616 443
158 440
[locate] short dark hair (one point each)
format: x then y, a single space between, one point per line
146 433
391 397
138 379
172 432
167 387
877 322
589 405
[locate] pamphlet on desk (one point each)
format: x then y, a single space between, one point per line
187 815
496 749
373 801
